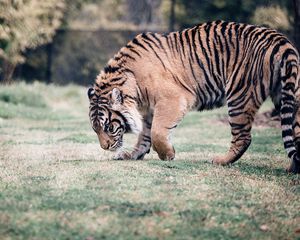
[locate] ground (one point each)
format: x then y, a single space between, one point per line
56 182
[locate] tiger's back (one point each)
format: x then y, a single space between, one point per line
201 68
210 59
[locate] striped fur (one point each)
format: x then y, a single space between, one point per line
156 78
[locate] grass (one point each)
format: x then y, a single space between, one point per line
56 182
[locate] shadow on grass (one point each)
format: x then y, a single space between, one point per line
206 165
135 210
260 171
183 165
215 148
76 161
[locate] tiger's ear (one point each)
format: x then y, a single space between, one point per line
91 92
116 97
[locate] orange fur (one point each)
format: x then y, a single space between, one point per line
156 79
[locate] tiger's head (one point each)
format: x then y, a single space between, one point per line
109 125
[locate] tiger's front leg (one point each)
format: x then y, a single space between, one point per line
166 117
144 142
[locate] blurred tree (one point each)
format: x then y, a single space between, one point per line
172 16
272 16
113 14
94 14
72 7
25 24
195 11
297 23
143 13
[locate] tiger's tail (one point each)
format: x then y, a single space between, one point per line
289 78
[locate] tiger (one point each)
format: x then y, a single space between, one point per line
152 82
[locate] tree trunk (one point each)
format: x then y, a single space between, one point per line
297 23
172 16
49 48
8 70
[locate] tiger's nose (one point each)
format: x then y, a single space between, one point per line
105 145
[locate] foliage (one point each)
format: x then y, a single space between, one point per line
272 16
113 14
195 11
72 7
86 54
297 23
144 13
79 55
21 95
92 15
155 14
34 101
26 24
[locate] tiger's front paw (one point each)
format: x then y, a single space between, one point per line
123 155
221 160
167 156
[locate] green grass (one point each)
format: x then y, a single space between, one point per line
56 182
21 95
80 138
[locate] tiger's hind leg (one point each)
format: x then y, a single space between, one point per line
295 165
276 97
240 120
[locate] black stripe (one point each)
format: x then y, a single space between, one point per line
177 80
175 39
145 36
136 42
286 121
155 54
181 41
157 39
116 79
110 69
189 44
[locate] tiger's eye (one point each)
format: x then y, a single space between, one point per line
106 127
111 128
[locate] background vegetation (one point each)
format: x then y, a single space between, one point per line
87 33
